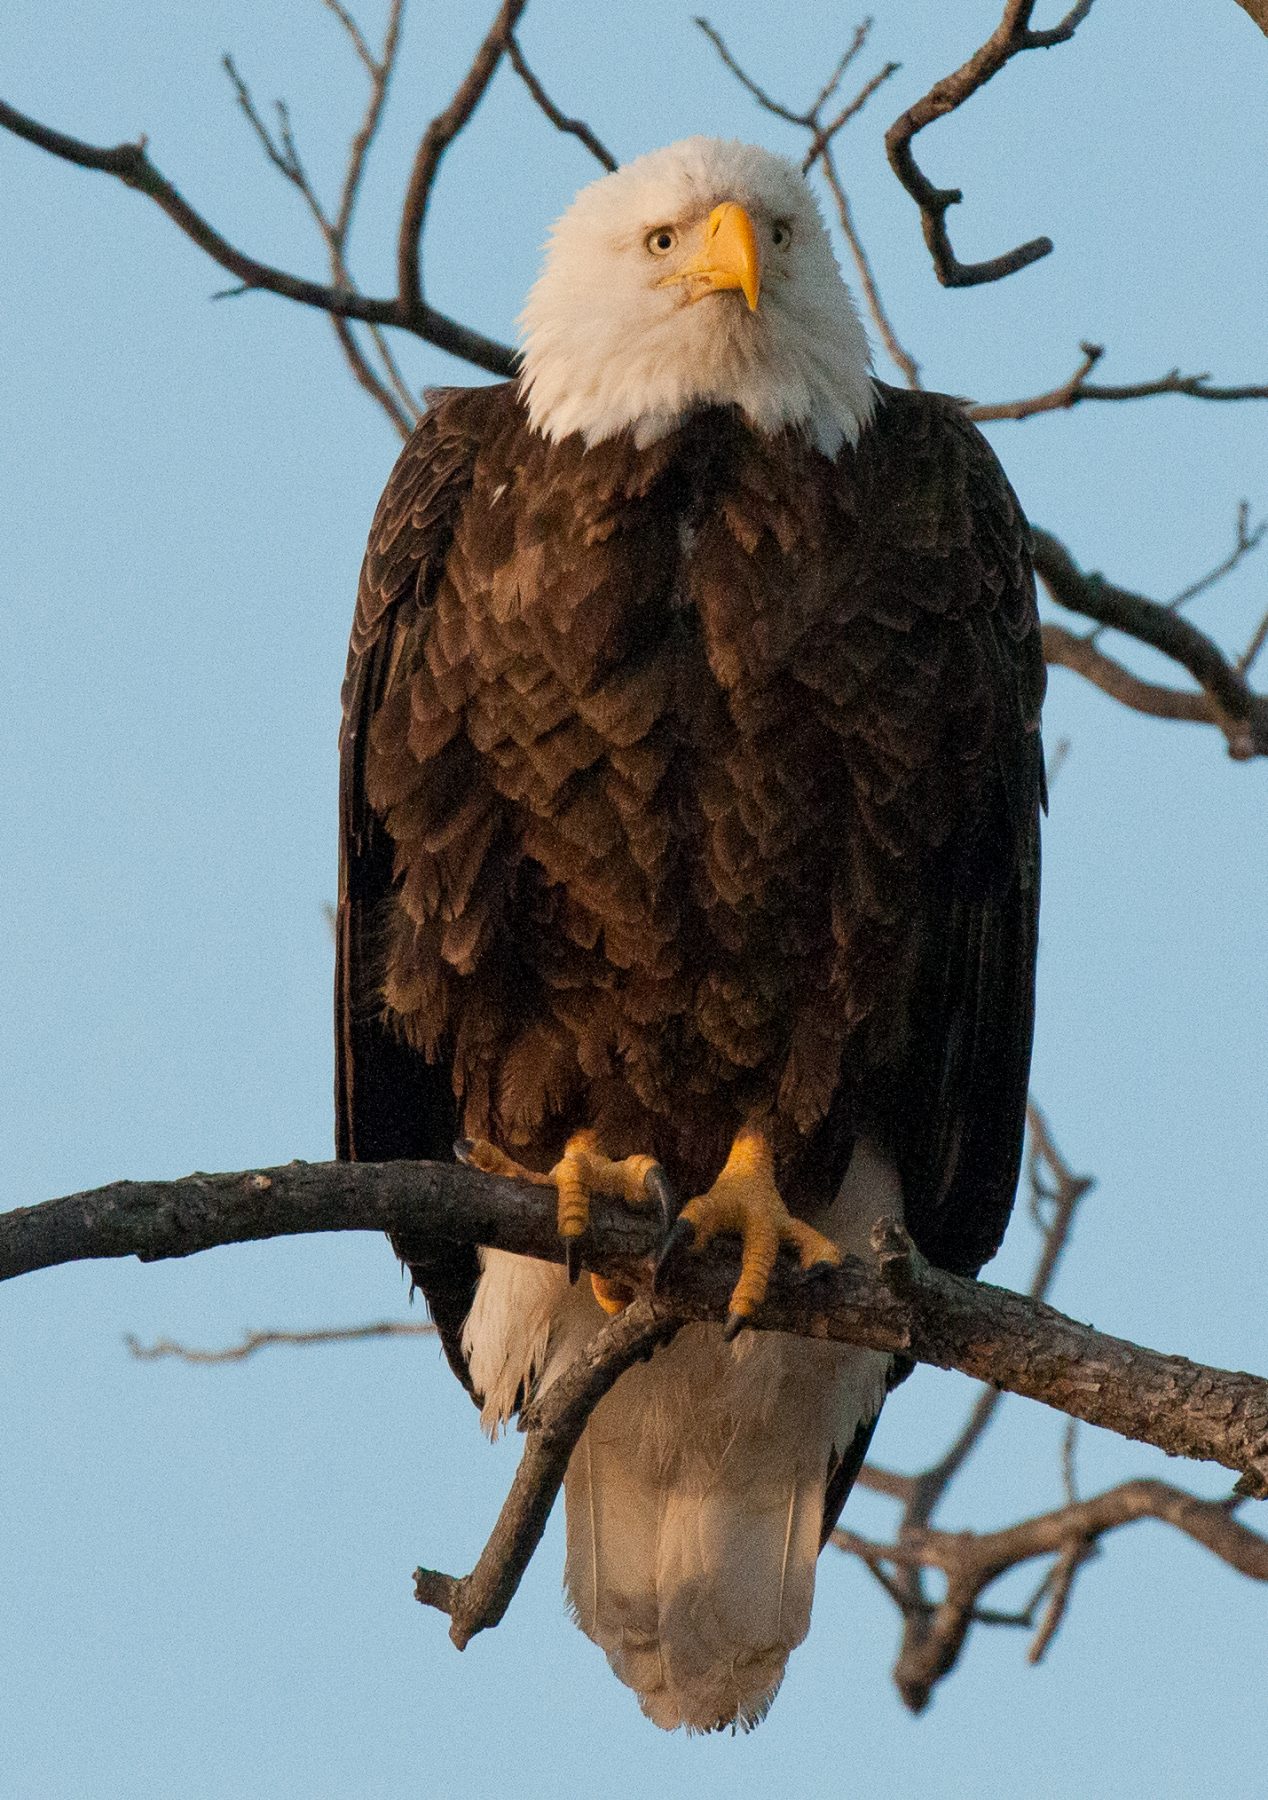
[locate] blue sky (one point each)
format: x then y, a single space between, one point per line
204 1574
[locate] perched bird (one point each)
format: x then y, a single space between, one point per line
690 789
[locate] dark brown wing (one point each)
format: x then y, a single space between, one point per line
390 1102
947 532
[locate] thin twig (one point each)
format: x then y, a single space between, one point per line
260 1340
574 127
353 30
867 280
477 1601
1012 35
283 153
1063 1573
1246 539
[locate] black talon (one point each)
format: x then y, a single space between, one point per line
572 1259
735 1323
462 1150
656 1187
682 1233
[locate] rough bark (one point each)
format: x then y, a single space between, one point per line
901 1305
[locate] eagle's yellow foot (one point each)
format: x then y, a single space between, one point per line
744 1199
582 1172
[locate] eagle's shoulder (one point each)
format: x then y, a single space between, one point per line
425 491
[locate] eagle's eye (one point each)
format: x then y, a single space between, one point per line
661 241
781 234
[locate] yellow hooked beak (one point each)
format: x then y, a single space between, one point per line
729 258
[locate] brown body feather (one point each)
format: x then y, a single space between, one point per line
691 785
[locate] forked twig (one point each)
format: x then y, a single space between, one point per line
1076 388
822 133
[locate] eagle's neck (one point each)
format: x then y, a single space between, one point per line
784 372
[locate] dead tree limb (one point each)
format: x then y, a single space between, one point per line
1012 35
571 127
1076 388
264 1340
437 138
477 1601
972 1561
131 164
1226 700
902 1305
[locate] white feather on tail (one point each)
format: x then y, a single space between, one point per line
695 1495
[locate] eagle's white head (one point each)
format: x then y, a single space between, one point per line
698 275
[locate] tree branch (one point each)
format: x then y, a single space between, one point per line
1227 700
130 163
1077 388
972 1561
262 1340
437 138
573 127
908 1307
1012 35
477 1601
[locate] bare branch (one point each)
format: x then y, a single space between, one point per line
822 131
909 1307
380 72
821 136
1226 700
131 165
1246 540
1072 650
759 93
575 127
356 36
871 293
972 1561
824 134
1063 1574
393 395
1077 388
260 1340
886 1481
1011 35
437 138
555 1422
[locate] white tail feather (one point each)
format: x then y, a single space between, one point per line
695 1505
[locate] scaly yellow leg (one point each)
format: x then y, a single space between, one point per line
744 1199
582 1172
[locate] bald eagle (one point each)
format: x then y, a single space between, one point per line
691 777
